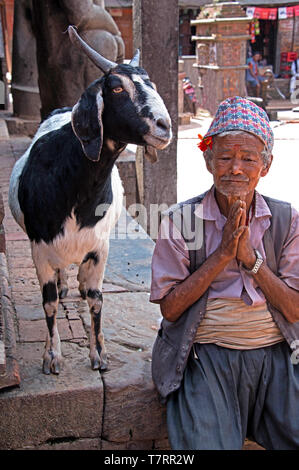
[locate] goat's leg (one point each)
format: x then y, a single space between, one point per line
92 256
92 275
52 354
98 356
48 284
62 283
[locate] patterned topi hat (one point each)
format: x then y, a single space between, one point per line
238 113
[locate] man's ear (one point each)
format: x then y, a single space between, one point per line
267 168
87 122
208 161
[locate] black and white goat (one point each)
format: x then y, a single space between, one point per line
68 172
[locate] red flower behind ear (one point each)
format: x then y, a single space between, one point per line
206 142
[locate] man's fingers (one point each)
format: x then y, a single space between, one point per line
245 229
237 233
235 206
243 217
239 217
235 209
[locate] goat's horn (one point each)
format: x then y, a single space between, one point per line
104 64
135 61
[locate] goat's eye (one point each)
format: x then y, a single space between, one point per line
118 89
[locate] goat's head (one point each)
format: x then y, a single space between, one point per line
123 104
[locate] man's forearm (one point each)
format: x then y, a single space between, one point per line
193 287
281 296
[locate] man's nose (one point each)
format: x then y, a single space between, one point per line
236 166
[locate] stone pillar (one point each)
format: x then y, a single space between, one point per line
155 27
25 92
221 36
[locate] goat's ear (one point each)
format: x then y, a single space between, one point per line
87 123
151 153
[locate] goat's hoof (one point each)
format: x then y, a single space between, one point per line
95 364
83 294
63 293
103 366
51 364
98 364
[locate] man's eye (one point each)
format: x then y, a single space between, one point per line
118 89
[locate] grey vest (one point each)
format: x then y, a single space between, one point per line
175 339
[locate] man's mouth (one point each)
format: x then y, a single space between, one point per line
233 180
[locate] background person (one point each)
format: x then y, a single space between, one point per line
295 75
253 79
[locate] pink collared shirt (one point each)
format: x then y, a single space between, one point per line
170 262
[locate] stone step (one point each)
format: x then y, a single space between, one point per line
4 135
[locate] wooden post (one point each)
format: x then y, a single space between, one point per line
155 28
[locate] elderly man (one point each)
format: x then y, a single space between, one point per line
225 358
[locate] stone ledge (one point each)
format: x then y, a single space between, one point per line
18 126
118 409
4 135
9 369
49 408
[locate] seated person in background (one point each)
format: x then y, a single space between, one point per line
295 76
226 355
253 79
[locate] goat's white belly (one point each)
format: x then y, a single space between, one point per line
75 243
72 246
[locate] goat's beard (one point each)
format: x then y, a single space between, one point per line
150 153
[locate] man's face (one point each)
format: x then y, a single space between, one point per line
237 164
256 57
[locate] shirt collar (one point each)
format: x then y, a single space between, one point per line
261 207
